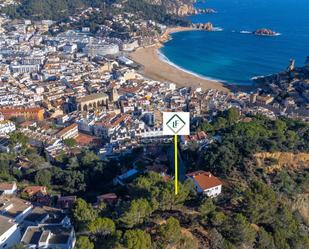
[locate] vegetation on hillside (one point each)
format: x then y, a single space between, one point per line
60 10
255 209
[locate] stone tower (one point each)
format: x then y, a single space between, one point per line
291 66
114 95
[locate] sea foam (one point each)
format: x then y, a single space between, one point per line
163 58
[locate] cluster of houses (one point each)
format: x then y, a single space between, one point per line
35 224
31 223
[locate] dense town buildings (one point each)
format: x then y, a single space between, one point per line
71 89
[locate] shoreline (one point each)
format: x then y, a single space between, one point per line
155 67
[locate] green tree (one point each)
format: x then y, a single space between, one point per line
232 115
219 123
160 193
71 181
36 160
89 159
138 210
83 213
259 203
171 231
265 240
241 231
18 138
207 206
73 163
83 242
43 177
217 218
137 239
280 126
102 226
228 245
187 242
70 142
166 196
216 238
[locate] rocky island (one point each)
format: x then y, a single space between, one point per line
265 32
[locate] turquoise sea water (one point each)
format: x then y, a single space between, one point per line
235 57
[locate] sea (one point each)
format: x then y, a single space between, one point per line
232 54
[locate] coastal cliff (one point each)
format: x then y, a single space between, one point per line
176 7
181 7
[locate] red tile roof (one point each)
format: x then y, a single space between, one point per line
107 197
20 110
67 129
84 139
205 179
6 186
33 190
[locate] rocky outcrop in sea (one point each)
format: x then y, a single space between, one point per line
265 32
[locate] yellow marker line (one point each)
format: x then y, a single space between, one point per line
176 163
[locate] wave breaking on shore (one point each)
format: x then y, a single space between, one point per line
163 58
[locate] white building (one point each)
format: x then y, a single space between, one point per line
206 183
14 208
130 46
124 60
9 233
101 49
25 68
69 48
70 131
8 188
6 127
49 236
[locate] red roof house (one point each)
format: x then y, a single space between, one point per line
206 183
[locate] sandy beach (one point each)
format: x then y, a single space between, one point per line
155 68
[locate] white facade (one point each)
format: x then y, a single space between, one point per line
9 233
6 127
8 190
51 237
70 48
213 192
68 132
205 183
101 49
210 192
25 68
130 46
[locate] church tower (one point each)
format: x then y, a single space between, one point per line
114 95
